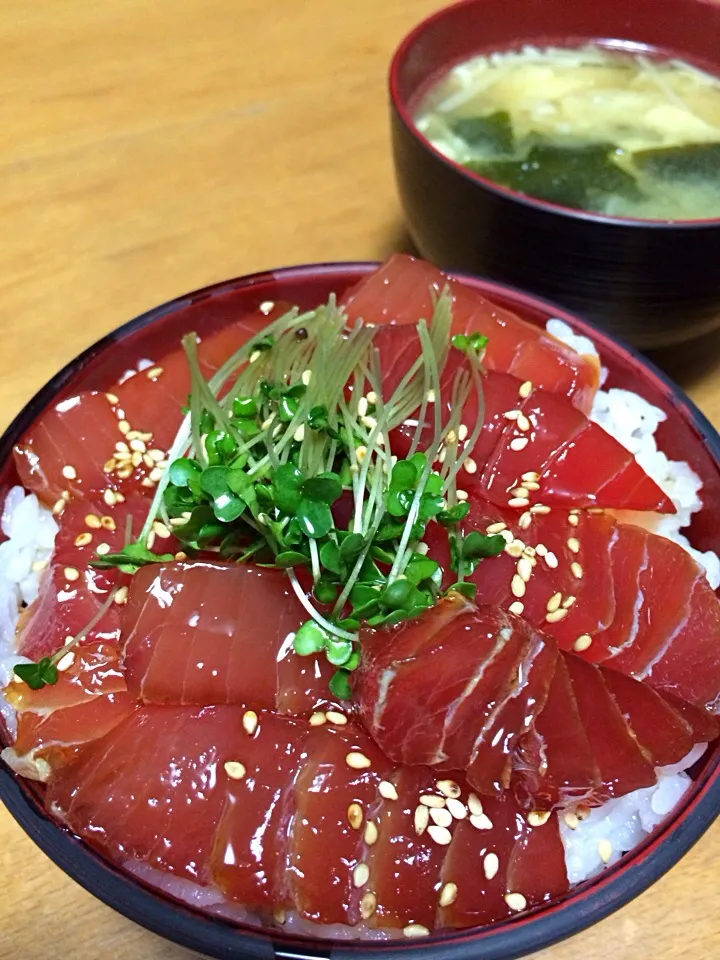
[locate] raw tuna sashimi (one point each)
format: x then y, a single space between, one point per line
402 291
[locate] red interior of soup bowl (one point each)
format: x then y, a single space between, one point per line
685 435
681 29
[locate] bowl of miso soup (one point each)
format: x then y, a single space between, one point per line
572 149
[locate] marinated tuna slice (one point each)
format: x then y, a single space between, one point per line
72 592
622 764
249 854
155 787
343 770
402 291
554 764
497 864
705 726
455 691
198 633
577 463
664 736
403 856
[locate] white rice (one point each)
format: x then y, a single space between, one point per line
621 823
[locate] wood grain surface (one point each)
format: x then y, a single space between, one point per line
149 148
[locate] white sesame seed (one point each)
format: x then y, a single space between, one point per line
123 427
525 389
102 549
551 560
524 568
415 930
71 574
495 527
428 800
267 306
517 607
267 423
515 549
571 820
387 790
531 485
448 894
153 373
69 472
457 809
516 902
157 456
525 520
441 835
64 663
299 434
421 819
554 602
573 520
137 458
518 444
121 595
556 616
336 718
462 432
369 422
371 397
124 472
368 905
306 377
441 816
568 602
448 788
357 760
361 875
582 642
536 818
83 539
317 719
234 769
512 414
576 569
523 423
250 722
540 508
531 475
517 586
470 465
355 815
39 565
112 398
573 545
430 396
506 535
137 446
279 915
491 865
605 850
122 447
530 552
361 453
58 507
156 474
541 550
519 503
109 465
475 804
371 833
461 495
481 821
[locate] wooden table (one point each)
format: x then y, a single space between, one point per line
152 148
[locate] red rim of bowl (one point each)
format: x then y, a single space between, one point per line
397 64
588 902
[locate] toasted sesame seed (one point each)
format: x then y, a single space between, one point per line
462 432
121 595
516 902
368 905
470 465
441 816
573 520
441 835
156 474
525 520
491 865
554 602
136 459
147 482
481 821
371 833
551 560
234 769
519 503
582 811
102 549
355 815
573 545
448 894
605 850
69 472
181 555
421 819
250 722
568 602
515 549
571 820
536 818
523 423
448 788
524 569
531 485
124 427
451 438
517 586
428 800
457 809
387 790
317 719
518 444
334 716
461 495
357 761
125 472
119 498
107 523
576 569
112 398
582 642
58 507
360 453
415 930
64 663
361 875
279 915
525 389
153 373
517 607
71 574
83 539
530 552
512 414
556 616
475 804
531 475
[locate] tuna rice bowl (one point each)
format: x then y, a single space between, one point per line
371 616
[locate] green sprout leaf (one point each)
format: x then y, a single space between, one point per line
130 558
37 675
310 639
340 685
324 488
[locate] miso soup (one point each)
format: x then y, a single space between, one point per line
594 129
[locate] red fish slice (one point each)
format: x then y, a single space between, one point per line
401 292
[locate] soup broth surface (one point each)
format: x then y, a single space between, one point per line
592 128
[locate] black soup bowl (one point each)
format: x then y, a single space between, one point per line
655 282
